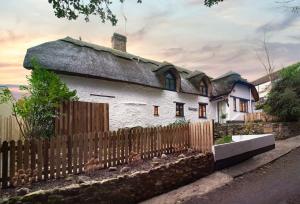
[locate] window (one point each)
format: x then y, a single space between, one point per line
203 89
179 109
243 105
234 103
170 81
156 111
202 110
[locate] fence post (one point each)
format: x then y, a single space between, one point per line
4 151
213 131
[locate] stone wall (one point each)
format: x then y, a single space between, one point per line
128 188
281 130
221 130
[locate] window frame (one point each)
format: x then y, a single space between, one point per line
156 110
244 103
234 104
203 88
202 113
169 81
179 109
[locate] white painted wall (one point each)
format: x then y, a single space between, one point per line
133 104
263 89
240 91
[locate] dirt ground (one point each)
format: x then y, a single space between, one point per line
96 175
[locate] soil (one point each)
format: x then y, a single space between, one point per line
96 175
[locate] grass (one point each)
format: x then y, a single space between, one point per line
225 139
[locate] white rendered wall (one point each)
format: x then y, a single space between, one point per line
133 104
240 91
263 89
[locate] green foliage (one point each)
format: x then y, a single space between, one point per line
44 92
223 115
71 9
180 122
210 3
223 140
283 100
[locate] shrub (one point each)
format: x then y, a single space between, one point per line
223 140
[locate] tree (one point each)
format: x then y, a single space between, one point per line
71 9
283 100
45 91
266 59
210 3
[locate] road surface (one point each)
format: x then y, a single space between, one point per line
274 183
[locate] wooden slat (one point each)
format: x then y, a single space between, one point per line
58 156
12 154
80 152
19 155
105 148
63 152
26 154
40 159
4 150
52 157
114 137
46 159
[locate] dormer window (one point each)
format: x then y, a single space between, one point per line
170 81
203 89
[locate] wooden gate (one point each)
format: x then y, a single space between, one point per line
82 117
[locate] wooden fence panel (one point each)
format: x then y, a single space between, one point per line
67 154
9 129
259 116
82 117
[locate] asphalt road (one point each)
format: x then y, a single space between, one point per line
275 183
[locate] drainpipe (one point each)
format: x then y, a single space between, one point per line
250 101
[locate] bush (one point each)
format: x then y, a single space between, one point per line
283 100
180 122
225 139
44 92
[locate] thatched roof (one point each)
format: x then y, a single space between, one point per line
75 57
224 84
266 78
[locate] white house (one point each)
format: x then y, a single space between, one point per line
263 84
139 91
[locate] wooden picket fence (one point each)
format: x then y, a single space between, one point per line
9 129
68 154
259 117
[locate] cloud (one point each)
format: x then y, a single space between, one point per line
4 65
295 37
150 22
285 23
9 36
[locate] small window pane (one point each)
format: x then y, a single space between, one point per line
156 111
202 110
179 109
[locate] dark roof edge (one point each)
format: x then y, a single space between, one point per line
108 79
250 85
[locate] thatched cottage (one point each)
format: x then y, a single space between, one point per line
143 92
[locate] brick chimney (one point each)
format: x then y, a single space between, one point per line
118 42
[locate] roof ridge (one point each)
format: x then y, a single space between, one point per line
115 52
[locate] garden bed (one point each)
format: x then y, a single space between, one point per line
127 188
241 147
98 175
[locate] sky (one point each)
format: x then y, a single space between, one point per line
214 40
